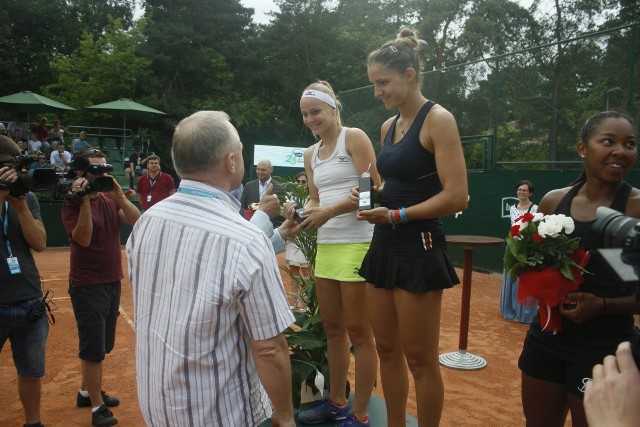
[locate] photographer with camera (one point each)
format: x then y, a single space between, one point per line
92 221
556 366
20 290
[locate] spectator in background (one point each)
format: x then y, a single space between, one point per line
17 128
43 131
45 147
23 146
134 167
510 308
254 190
154 185
60 159
20 288
80 144
42 163
18 136
56 135
35 146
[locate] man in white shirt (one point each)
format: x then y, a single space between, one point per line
209 302
60 158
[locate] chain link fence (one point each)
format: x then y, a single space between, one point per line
524 110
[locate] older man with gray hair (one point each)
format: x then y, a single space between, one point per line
210 306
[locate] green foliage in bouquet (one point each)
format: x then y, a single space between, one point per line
537 241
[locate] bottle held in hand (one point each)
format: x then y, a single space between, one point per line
365 187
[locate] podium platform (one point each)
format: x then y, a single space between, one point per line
377 415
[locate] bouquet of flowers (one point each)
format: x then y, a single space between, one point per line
548 263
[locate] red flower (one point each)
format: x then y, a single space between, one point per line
515 230
536 238
524 218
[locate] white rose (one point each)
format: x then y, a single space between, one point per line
537 217
550 226
567 224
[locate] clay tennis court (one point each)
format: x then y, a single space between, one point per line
486 397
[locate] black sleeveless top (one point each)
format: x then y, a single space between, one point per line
409 173
600 281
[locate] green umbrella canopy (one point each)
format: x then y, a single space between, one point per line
126 106
29 102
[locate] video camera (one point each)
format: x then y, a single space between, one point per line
28 179
101 184
618 238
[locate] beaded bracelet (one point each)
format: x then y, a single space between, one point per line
333 212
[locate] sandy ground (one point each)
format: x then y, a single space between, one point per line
486 397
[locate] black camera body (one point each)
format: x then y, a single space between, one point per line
617 238
101 184
28 179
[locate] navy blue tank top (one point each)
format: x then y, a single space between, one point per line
409 173
600 282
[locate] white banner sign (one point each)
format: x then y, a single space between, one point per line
288 157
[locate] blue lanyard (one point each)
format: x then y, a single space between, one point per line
197 192
152 182
264 189
5 224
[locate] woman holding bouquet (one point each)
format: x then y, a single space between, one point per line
509 306
556 366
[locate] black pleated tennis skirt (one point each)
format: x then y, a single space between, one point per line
415 262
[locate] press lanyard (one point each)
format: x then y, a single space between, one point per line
5 224
152 182
198 192
264 189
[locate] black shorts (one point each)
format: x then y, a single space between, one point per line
415 262
96 308
567 361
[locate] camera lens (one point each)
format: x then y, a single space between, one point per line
612 229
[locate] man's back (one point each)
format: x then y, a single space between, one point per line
214 285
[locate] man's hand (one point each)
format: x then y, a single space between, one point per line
613 397
7 174
289 227
269 203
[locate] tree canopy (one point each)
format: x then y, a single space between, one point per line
186 55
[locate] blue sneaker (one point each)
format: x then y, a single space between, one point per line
323 410
353 421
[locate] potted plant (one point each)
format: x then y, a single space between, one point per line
306 337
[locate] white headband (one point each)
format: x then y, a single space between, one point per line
311 93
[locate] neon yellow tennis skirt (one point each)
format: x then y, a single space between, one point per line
340 261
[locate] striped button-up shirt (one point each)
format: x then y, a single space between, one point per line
205 282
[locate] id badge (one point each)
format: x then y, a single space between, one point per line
148 198
14 267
